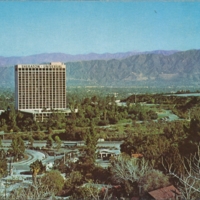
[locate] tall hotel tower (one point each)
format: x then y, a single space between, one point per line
40 88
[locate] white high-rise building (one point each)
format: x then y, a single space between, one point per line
40 88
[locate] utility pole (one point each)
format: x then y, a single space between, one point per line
140 189
10 166
135 98
6 187
189 115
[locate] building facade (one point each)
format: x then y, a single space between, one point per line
40 88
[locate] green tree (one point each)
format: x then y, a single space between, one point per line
54 180
94 99
91 142
74 179
12 119
87 162
153 180
58 142
3 167
91 191
152 147
50 131
31 140
101 174
70 130
18 146
49 142
3 163
37 167
3 124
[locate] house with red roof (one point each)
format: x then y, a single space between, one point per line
165 193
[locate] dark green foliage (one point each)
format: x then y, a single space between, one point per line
194 128
103 123
101 175
54 180
31 140
75 178
3 163
70 130
49 142
18 147
153 180
36 168
152 147
3 167
73 181
58 142
91 142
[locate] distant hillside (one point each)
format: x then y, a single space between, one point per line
150 68
61 57
181 68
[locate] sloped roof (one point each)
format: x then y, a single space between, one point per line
165 193
137 155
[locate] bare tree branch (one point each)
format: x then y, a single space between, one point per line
189 181
125 168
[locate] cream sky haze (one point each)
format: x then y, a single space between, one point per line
77 27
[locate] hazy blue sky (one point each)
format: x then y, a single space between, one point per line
28 28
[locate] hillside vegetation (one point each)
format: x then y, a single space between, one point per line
180 68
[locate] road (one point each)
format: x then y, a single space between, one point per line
116 144
33 155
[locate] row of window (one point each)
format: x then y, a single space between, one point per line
61 78
44 82
42 79
38 107
43 100
41 83
42 104
41 76
37 95
41 88
41 69
51 99
57 90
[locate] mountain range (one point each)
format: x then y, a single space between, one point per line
119 69
61 57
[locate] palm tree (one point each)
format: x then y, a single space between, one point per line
36 167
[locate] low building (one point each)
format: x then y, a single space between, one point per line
137 155
41 115
165 193
105 154
1 111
